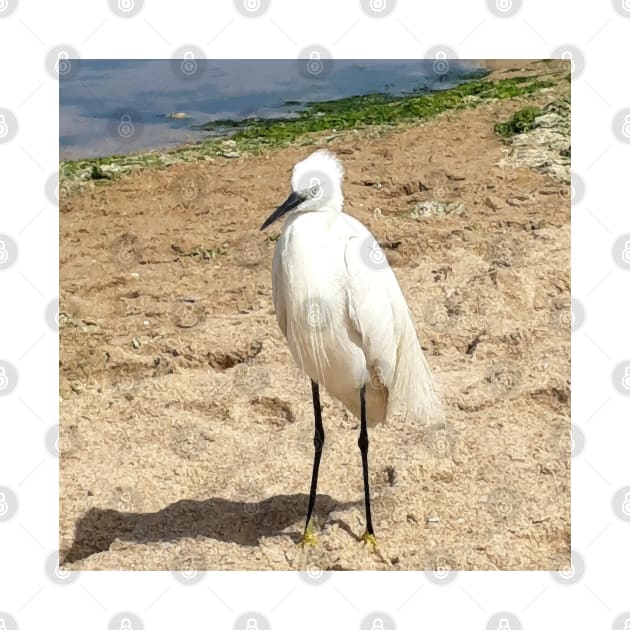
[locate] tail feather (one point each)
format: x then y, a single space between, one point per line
412 392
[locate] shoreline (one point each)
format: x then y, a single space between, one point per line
376 111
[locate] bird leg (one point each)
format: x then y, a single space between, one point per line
309 538
368 535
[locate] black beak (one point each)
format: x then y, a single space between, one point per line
292 201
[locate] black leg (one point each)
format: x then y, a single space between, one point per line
363 445
318 441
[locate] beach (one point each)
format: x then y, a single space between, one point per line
186 430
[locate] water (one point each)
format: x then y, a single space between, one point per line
95 98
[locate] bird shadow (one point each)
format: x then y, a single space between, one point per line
243 523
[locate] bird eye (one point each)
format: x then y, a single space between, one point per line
314 190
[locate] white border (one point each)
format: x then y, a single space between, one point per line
474 32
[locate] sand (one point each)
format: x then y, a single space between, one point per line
186 430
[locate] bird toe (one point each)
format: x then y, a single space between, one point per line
370 539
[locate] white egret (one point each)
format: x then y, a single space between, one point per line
345 319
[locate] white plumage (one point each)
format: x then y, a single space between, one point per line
340 306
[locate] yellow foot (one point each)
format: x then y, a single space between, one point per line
308 538
369 539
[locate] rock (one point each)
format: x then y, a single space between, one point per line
492 203
409 188
457 207
231 154
546 147
547 120
435 208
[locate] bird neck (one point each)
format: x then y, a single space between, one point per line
313 220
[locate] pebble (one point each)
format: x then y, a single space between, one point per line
435 208
491 203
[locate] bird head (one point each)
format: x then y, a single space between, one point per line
315 186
